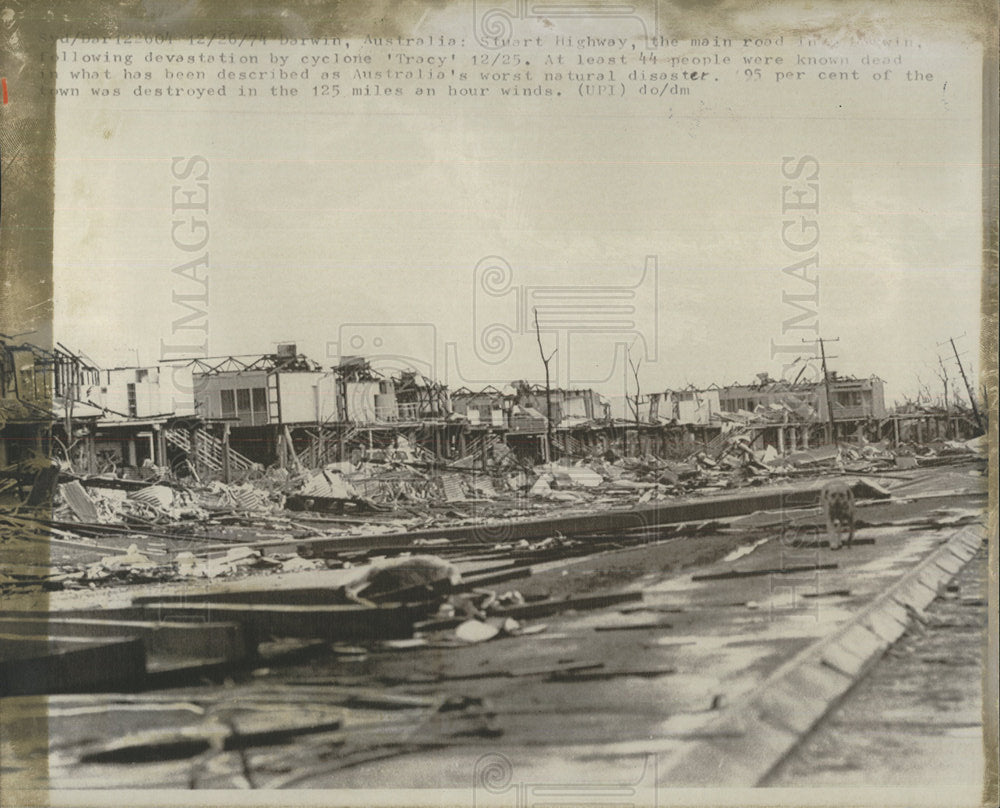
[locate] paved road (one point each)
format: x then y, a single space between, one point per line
916 719
720 638
595 696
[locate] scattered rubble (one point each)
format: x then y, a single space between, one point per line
400 551
210 529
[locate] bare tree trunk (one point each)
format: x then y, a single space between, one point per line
548 389
635 408
943 376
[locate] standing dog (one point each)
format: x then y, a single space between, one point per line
837 501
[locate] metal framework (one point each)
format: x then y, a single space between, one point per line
244 363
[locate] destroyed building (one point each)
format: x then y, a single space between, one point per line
851 398
521 411
687 406
293 523
490 405
57 403
269 389
785 414
224 416
499 407
132 392
37 387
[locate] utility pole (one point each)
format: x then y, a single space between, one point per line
831 435
968 388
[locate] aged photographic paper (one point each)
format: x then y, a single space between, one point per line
500 404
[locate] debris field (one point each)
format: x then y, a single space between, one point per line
298 626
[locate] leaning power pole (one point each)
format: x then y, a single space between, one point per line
968 389
831 433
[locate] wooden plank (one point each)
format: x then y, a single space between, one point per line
79 501
332 622
452 485
603 675
36 665
95 613
293 596
472 581
246 730
214 641
817 543
722 576
549 607
100 549
44 485
318 595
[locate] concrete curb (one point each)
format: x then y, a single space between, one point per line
748 741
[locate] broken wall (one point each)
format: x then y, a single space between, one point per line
307 397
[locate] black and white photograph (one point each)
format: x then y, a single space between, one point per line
491 403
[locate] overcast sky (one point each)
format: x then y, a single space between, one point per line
361 223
